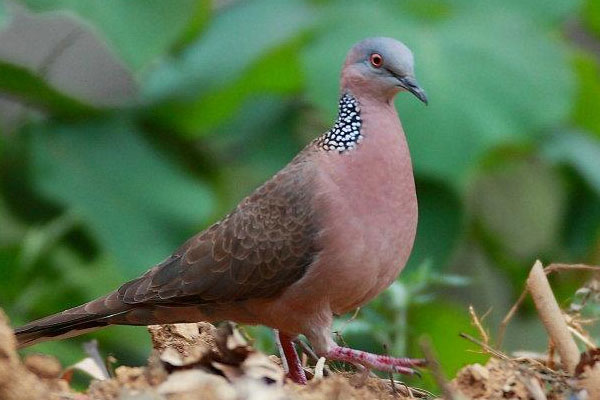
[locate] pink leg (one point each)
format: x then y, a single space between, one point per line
290 358
374 361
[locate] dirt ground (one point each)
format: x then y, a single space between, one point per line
201 361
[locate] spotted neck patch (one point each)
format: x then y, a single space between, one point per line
345 134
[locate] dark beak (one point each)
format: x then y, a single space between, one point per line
410 84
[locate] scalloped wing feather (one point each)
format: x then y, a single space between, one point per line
259 249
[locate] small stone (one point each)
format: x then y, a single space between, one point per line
44 366
479 372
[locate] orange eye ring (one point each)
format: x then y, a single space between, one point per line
376 60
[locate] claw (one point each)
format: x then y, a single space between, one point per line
407 371
417 373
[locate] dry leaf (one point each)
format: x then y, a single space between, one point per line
90 367
184 344
195 380
588 360
259 367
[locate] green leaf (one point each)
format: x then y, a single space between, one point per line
582 223
542 12
13 230
253 146
138 205
585 112
521 204
236 38
25 85
492 78
3 14
277 72
453 352
40 239
139 30
539 11
580 151
440 225
73 281
591 16
9 256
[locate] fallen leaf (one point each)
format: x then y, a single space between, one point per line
195 380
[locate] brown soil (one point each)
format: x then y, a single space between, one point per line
201 361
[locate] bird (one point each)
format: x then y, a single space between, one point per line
322 237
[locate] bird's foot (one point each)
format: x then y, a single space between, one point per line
290 358
375 361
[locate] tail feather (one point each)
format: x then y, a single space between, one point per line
75 321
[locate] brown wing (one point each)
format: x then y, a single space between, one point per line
263 246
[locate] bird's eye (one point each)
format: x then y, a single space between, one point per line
376 60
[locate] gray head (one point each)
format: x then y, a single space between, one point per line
381 67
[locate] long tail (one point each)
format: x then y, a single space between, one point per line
73 322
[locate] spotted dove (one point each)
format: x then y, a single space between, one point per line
322 237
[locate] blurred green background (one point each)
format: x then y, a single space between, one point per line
128 125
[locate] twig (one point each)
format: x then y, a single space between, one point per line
534 388
477 323
552 317
345 324
486 347
508 317
390 375
407 388
570 267
581 337
555 267
306 349
527 368
319 369
284 361
551 353
412 392
576 327
436 370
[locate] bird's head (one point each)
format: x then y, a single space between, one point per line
380 67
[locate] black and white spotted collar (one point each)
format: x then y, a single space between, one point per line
345 134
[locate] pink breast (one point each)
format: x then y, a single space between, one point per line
369 216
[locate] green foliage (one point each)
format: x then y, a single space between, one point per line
443 322
222 53
588 97
531 193
393 322
3 15
580 151
278 72
34 90
441 219
591 16
506 156
139 30
128 194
